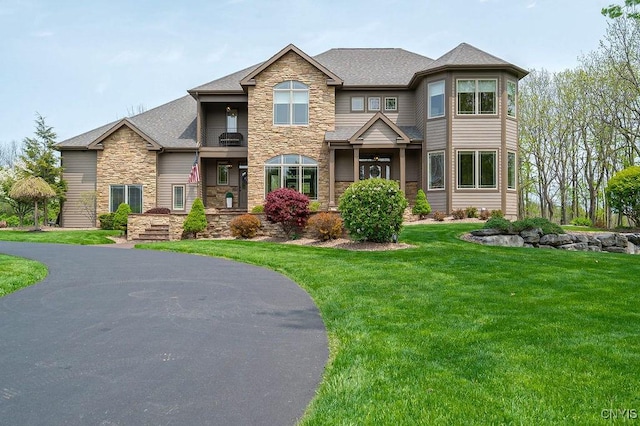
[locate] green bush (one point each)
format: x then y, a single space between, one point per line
121 217
422 207
500 223
581 221
518 226
196 220
471 212
106 221
373 209
623 193
497 213
325 226
314 206
258 209
245 226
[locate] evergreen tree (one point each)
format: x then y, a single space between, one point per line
422 207
196 220
39 159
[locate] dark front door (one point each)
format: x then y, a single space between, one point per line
375 167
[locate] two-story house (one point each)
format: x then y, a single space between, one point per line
315 124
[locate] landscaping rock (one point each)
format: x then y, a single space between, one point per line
579 238
614 249
486 232
502 240
556 239
575 247
607 239
634 238
531 236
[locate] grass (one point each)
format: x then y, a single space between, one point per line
16 273
79 237
458 333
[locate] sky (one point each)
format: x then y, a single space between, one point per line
82 64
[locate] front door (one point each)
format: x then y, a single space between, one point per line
375 167
242 187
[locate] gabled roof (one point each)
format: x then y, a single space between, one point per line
466 56
170 126
402 136
374 67
332 79
125 122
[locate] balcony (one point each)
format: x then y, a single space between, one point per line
221 137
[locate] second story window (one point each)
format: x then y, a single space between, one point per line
436 99
291 104
477 96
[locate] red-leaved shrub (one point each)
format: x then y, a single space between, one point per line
287 207
158 210
245 226
439 216
325 226
459 214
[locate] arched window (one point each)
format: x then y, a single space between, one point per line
292 171
291 103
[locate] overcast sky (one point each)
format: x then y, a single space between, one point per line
82 64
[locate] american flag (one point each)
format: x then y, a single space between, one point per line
194 176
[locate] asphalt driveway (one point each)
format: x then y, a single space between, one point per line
136 337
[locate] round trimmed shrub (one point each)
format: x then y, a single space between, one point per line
245 226
121 217
325 226
373 209
289 208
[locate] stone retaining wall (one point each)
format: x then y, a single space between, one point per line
603 242
138 223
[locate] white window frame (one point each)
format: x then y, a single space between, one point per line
477 97
221 166
389 98
371 101
126 196
477 169
291 92
357 98
512 185
512 102
283 162
430 187
182 199
431 87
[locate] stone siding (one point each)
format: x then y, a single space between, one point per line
125 160
266 140
216 196
139 223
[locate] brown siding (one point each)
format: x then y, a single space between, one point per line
512 135
80 174
421 105
480 133
405 116
478 199
436 135
437 200
344 165
379 134
412 164
173 169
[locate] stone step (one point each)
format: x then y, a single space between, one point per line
152 237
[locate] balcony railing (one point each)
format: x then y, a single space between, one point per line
223 137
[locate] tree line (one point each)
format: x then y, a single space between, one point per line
581 126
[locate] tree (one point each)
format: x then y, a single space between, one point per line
39 159
32 189
629 10
196 220
623 193
422 207
287 207
87 204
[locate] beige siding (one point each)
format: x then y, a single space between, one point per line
421 104
437 200
379 133
512 205
344 165
405 116
436 134
174 169
477 133
478 199
80 174
512 135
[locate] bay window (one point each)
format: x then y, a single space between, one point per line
435 165
477 96
436 99
477 170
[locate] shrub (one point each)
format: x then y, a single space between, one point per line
314 206
373 209
439 216
537 222
623 193
121 217
287 207
471 212
422 207
325 226
245 226
500 223
484 214
106 221
459 214
158 210
258 209
497 213
196 220
581 221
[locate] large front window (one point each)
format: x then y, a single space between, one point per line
292 171
477 96
291 103
477 169
128 194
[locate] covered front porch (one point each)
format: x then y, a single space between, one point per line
224 183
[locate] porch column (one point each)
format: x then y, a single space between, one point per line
356 164
403 169
332 177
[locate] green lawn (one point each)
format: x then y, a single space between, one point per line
16 273
457 333
61 237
